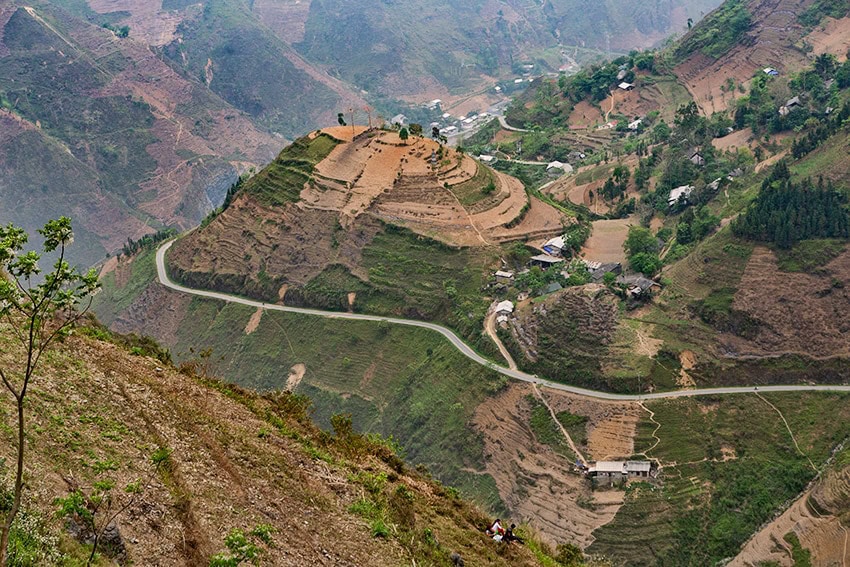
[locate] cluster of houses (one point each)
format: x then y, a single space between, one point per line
635 286
450 125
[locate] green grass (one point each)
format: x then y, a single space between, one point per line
709 506
407 383
110 304
545 430
576 426
418 277
801 556
474 190
282 180
808 255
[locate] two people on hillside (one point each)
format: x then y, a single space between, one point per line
498 533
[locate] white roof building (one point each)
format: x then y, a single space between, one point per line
626 86
505 307
636 124
504 274
565 167
484 158
678 193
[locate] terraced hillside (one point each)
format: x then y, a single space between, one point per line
351 218
743 37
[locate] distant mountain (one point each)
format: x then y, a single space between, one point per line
98 126
411 46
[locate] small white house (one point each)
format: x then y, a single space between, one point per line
484 158
503 276
680 194
399 120
626 86
636 124
505 307
554 246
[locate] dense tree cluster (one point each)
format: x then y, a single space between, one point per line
805 144
147 242
786 212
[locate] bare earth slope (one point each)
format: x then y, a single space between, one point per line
237 460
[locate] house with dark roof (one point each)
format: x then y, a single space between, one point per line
637 286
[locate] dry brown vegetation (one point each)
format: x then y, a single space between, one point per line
237 460
540 484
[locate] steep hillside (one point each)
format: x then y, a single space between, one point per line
743 37
368 223
236 461
135 145
812 527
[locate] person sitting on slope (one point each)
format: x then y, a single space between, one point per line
495 530
509 535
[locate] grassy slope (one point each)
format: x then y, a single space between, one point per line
404 382
408 383
706 509
237 460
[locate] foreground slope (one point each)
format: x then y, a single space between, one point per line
237 460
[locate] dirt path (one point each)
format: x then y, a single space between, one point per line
791 433
254 321
569 439
490 329
654 433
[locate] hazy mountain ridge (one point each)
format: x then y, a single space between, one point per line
153 148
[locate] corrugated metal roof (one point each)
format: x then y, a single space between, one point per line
608 466
638 466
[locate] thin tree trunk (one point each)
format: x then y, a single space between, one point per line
19 477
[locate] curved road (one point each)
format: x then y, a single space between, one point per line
504 124
467 351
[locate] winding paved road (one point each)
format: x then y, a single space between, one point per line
467 351
504 124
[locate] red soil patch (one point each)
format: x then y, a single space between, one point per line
769 43
606 241
832 36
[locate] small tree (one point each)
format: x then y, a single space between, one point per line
37 315
340 118
98 509
404 135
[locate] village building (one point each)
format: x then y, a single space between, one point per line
637 286
551 288
505 307
614 471
626 86
770 71
504 277
597 273
545 260
697 159
789 105
554 246
680 194
636 124
484 158
399 120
